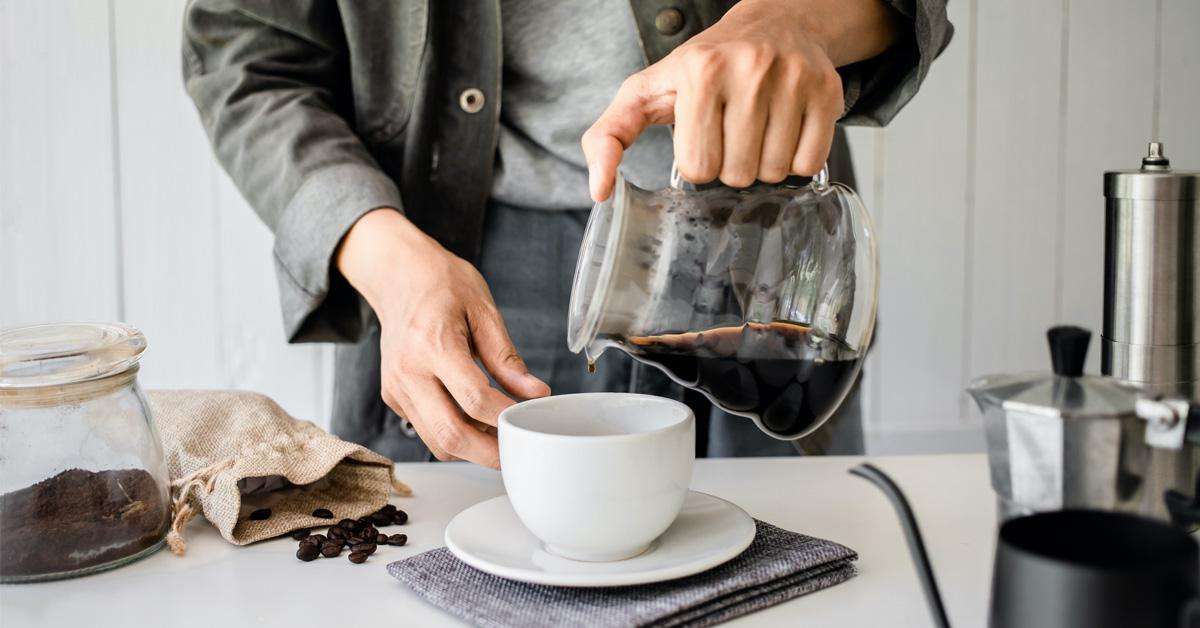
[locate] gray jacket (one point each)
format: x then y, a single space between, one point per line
322 110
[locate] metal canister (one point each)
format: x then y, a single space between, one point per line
1151 332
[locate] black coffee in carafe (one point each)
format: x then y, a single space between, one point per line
782 373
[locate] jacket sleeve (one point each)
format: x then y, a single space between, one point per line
271 84
876 89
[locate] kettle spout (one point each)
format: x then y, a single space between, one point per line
916 546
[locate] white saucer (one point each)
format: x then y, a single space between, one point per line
708 532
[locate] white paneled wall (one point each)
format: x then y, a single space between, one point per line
986 191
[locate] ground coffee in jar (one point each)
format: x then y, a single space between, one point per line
89 518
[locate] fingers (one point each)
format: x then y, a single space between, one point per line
446 431
397 400
699 111
780 138
614 131
469 387
495 349
743 125
816 133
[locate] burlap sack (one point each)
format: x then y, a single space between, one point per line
229 452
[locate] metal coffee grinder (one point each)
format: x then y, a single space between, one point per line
1128 441
1152 277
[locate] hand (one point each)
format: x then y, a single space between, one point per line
756 96
436 316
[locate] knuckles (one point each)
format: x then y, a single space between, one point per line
449 438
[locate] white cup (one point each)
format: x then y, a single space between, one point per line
597 476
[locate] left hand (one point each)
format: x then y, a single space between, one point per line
756 96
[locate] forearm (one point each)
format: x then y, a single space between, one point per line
849 30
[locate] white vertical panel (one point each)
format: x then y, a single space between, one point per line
1179 87
866 153
1109 108
168 204
922 249
1018 174
257 356
199 271
58 248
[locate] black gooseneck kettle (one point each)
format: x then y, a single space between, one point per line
1074 568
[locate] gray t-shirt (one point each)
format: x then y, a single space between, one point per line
563 62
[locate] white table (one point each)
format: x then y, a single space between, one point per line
218 584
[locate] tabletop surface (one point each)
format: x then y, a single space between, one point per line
218 584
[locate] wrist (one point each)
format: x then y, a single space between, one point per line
379 242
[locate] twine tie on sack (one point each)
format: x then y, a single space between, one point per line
205 478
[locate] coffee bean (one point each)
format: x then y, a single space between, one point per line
307 552
301 534
358 557
331 550
308 540
389 508
369 532
345 524
381 518
366 548
319 538
322 513
354 540
260 514
401 517
337 533
397 539
381 539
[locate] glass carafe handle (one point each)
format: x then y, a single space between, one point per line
821 179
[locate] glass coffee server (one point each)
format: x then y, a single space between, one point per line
762 298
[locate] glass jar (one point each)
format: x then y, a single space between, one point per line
83 479
761 298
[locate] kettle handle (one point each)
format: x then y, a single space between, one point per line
912 533
821 179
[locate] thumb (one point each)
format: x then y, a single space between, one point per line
495 349
640 102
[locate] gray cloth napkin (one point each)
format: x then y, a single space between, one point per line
778 566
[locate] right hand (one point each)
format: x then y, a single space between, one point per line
436 316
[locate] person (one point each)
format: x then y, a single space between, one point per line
427 167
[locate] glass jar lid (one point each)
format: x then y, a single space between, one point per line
53 354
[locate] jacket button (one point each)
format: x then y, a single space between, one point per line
669 21
471 100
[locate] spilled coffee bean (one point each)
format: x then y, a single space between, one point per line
361 535
260 514
308 552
